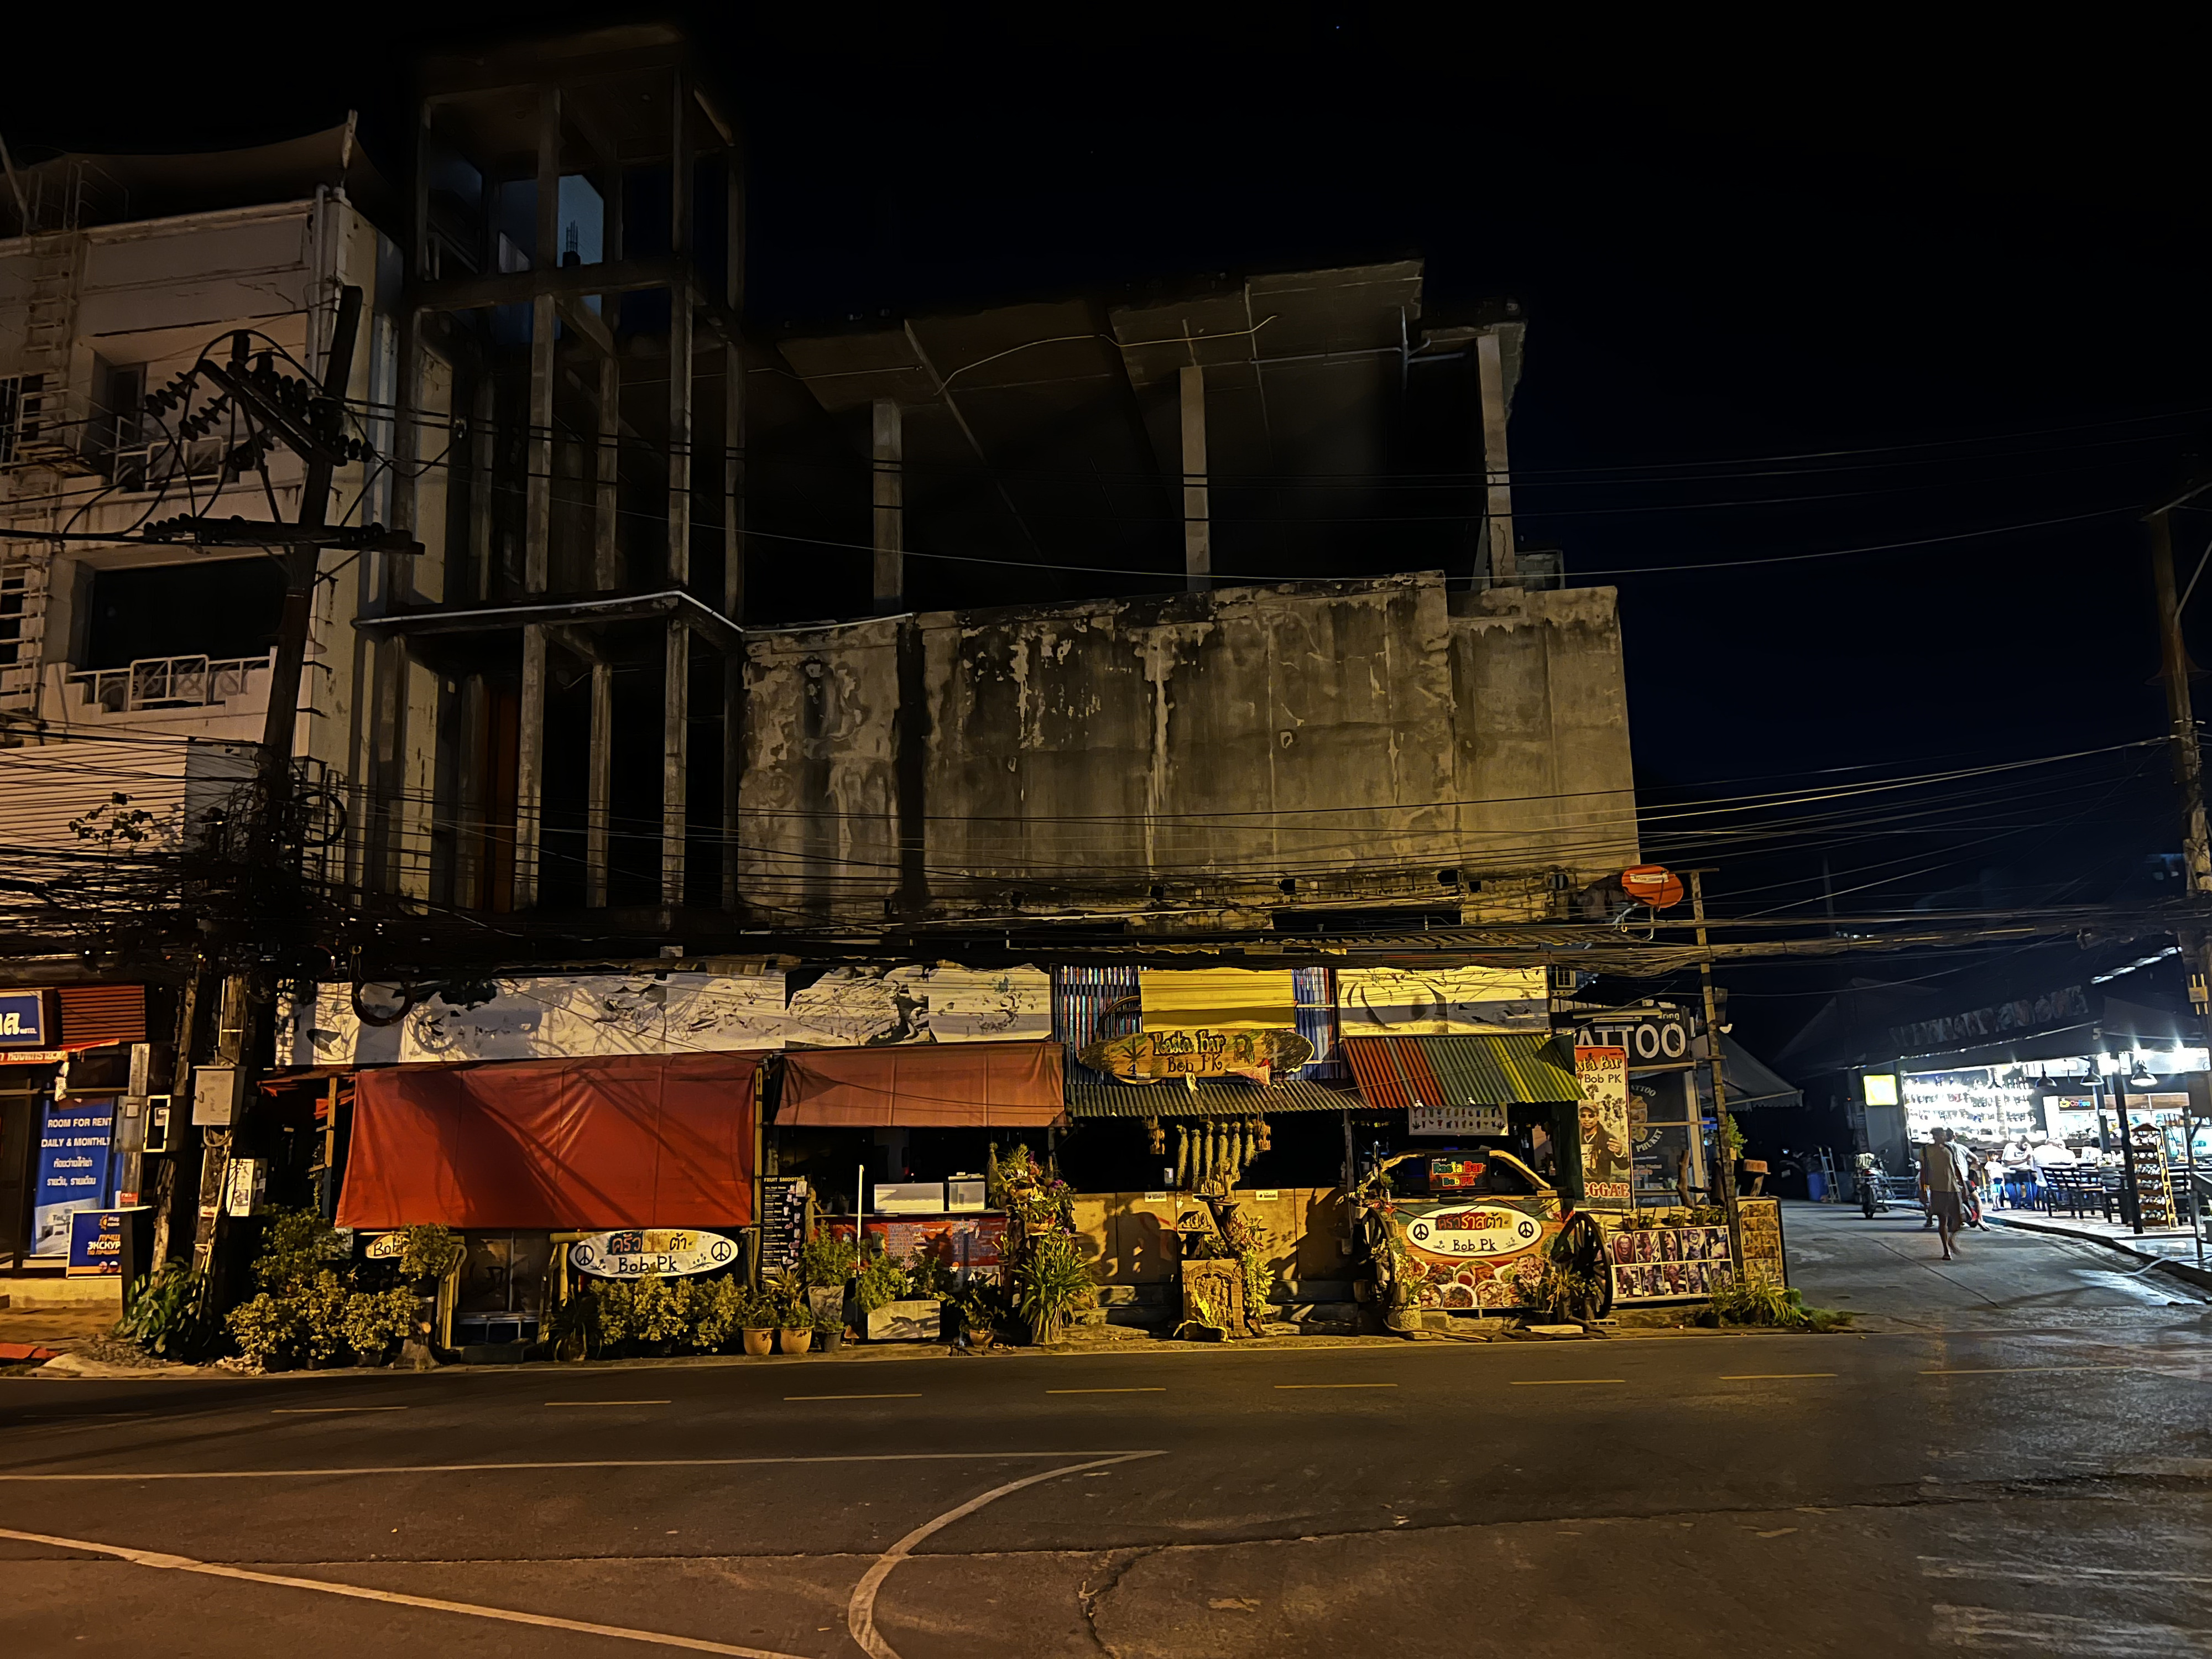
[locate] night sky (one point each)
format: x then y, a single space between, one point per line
1953 285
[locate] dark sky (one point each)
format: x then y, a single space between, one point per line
1966 275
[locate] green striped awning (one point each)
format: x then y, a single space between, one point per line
1398 1071
1174 1099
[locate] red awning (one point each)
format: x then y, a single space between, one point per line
951 1085
620 1140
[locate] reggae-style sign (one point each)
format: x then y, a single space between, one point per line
1149 1056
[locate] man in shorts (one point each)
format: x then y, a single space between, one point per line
1940 1178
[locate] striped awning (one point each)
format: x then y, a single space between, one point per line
1175 1099
1396 1073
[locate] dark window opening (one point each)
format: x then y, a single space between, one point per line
218 608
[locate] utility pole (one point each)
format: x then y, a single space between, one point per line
317 435
1726 1178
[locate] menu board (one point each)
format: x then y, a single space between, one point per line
783 1224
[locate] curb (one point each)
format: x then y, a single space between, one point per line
2187 1273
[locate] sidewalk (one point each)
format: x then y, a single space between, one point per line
2171 1248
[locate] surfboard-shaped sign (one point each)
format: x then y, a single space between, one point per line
669 1252
1150 1056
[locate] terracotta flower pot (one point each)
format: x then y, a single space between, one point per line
760 1344
796 1341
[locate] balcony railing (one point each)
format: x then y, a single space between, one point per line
150 466
168 682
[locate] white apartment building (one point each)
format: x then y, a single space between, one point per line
127 668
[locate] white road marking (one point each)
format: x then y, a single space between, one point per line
1151 1390
2037 1572
861 1611
1773 1377
2012 1371
1994 1629
185 1564
852 1396
1563 1382
574 1463
1336 1385
606 1402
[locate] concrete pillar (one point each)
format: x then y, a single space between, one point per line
483 449
600 802
733 761
530 767
606 560
675 761
1197 524
537 501
679 432
1497 507
887 451
538 530
470 892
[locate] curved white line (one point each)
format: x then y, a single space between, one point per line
861 1611
328 1586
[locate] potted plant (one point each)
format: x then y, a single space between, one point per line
1051 1285
830 1333
794 1319
759 1324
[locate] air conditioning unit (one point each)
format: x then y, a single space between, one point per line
963 1195
909 1197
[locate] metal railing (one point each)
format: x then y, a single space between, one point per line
168 682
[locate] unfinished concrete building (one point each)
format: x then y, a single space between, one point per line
569 439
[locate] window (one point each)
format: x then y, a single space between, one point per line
19 411
116 432
14 593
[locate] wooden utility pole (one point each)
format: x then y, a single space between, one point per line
2188 757
319 442
1726 1177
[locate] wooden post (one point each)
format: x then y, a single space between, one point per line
600 800
472 885
676 757
482 450
887 450
530 767
1197 512
538 522
1497 522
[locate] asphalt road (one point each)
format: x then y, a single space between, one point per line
2012 1459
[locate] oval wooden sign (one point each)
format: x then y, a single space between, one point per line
1150 1056
669 1252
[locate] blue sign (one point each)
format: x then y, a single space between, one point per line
77 1169
96 1243
22 1019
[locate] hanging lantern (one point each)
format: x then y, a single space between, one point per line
1260 1129
1155 1137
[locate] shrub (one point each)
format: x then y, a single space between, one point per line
263 1328
826 1262
159 1313
375 1320
718 1314
879 1283
429 1252
1755 1302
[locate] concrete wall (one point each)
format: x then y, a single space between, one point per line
1350 739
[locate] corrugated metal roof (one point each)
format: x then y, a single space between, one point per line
1226 1100
1461 1071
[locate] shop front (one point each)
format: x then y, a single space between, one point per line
545 1165
72 1129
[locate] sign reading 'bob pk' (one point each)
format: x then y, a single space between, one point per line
637 1252
1480 1230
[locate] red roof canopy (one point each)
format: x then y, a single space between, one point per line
619 1140
950 1085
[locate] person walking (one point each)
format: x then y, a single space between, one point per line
1941 1179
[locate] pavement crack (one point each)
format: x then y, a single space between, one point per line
1088 1599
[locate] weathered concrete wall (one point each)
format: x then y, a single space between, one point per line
1129 1238
1246 748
